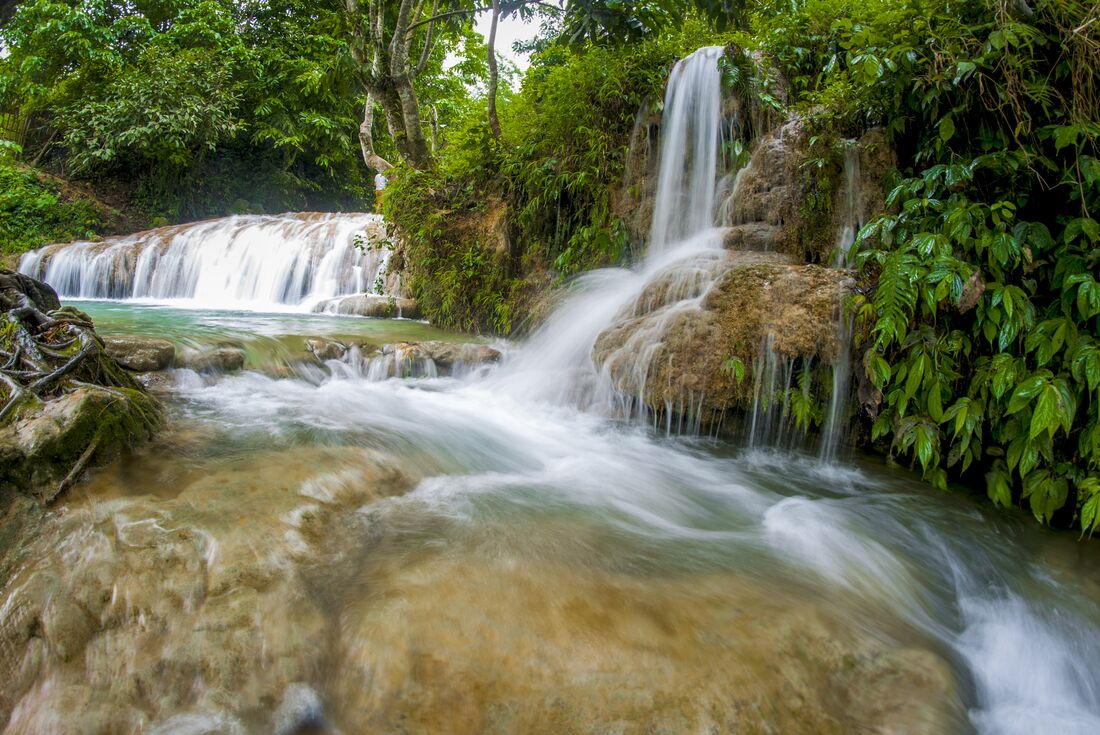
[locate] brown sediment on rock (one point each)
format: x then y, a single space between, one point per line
617 653
217 587
757 295
181 601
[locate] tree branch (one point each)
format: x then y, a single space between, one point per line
428 43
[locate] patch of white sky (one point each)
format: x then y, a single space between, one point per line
509 30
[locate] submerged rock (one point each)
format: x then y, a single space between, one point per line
140 354
223 359
371 305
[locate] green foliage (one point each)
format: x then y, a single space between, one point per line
34 211
981 310
168 97
498 216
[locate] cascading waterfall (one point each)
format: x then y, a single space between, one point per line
306 553
687 176
851 213
287 261
684 253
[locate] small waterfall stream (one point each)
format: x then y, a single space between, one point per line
281 262
684 256
836 420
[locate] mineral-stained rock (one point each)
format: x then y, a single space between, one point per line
448 354
667 349
753 236
371 305
325 349
140 354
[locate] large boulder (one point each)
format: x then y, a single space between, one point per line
18 290
669 349
49 441
65 403
140 354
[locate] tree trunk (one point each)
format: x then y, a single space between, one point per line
419 155
494 122
366 139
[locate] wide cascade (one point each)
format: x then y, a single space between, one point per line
254 262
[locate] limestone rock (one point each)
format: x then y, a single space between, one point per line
753 236
325 349
140 354
448 354
683 346
371 305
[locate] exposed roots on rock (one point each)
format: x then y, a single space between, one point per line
41 351
65 403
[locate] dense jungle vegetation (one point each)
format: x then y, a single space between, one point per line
978 308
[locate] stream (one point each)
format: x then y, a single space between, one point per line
514 548
449 555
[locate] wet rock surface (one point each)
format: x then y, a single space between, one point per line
67 405
221 359
140 354
685 344
260 594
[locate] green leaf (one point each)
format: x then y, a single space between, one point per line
1027 390
947 128
998 486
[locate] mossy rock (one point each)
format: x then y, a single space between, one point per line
40 447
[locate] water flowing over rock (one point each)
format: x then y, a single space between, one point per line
254 262
736 305
672 357
370 305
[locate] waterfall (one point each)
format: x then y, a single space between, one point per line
687 175
850 221
683 259
287 261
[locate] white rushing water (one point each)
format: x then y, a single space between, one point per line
836 421
684 254
280 262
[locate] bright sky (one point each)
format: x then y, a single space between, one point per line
508 31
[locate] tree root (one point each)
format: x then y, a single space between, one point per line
37 350
78 468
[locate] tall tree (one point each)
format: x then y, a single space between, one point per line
391 44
